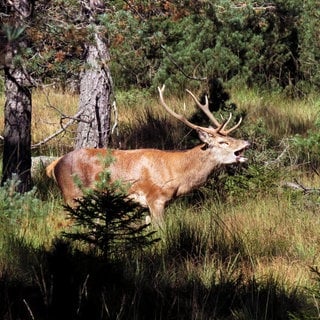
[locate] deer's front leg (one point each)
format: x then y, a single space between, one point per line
153 197
156 208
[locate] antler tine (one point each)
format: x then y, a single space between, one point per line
174 114
220 127
205 109
225 123
234 127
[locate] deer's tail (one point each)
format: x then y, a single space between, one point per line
50 169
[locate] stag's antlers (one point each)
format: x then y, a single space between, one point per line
220 127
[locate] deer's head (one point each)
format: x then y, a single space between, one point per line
223 148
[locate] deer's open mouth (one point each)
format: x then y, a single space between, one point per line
240 154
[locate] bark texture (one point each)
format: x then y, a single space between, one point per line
95 92
17 130
17 110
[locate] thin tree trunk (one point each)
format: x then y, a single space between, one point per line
17 110
17 130
95 91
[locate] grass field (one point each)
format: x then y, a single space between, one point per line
245 246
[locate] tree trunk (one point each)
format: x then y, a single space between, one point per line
17 130
95 92
17 110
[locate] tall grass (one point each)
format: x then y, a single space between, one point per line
51 111
281 116
241 247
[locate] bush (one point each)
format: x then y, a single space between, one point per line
308 147
110 223
265 45
14 205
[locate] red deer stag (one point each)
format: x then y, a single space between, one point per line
155 176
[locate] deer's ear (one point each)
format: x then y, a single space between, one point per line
204 136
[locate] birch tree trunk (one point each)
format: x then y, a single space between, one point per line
17 110
95 94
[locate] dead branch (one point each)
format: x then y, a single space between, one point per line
255 6
115 116
300 187
72 120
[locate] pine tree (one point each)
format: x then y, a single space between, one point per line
18 82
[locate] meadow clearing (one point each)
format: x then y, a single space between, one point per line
244 246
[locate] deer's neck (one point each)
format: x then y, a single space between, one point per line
195 167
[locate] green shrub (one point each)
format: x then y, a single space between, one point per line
273 46
307 147
14 205
110 222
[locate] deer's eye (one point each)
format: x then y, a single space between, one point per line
223 143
